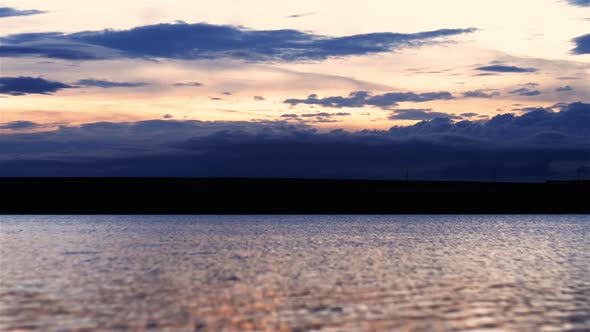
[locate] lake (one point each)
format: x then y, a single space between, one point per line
295 273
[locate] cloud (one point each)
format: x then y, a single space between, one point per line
19 125
506 69
582 44
581 3
566 88
258 98
25 125
480 94
364 98
420 114
534 146
468 115
89 82
187 84
10 12
22 85
484 74
208 41
526 92
323 114
300 15
319 117
168 116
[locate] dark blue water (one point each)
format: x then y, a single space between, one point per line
295 273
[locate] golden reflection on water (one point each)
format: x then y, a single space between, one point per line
295 273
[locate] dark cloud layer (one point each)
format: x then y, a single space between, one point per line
537 145
206 41
18 86
506 69
10 12
89 82
364 98
582 44
20 125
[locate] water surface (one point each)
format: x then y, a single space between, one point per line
295 273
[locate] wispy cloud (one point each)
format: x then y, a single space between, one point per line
89 82
22 85
481 94
506 69
420 114
188 84
10 12
580 3
566 88
208 41
300 15
364 98
526 92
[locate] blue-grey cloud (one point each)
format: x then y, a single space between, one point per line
20 125
420 114
481 94
582 44
188 84
10 12
581 3
469 115
207 41
323 114
22 85
534 146
526 92
484 74
89 82
299 15
364 98
506 69
566 88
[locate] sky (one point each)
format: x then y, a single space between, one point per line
453 89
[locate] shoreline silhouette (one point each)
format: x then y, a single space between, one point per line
287 196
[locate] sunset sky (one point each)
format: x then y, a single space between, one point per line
195 69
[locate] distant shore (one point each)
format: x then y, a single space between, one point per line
286 196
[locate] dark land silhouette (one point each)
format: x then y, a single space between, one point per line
286 196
